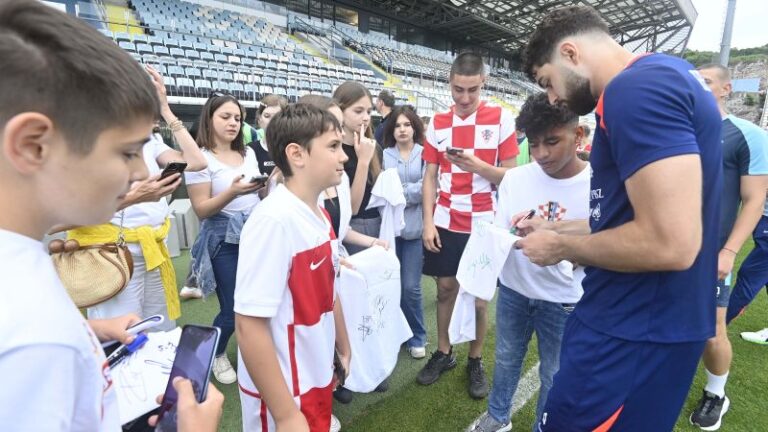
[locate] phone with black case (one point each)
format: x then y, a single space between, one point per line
173 168
194 360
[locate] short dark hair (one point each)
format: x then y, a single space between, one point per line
557 25
59 66
300 124
416 124
724 72
204 136
538 116
387 98
467 64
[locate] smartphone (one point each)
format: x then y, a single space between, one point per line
453 150
194 360
173 168
261 179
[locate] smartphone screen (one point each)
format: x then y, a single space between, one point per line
194 359
173 168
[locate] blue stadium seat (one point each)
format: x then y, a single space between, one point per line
185 86
143 48
156 41
177 52
220 58
128 46
192 54
203 87
226 76
171 42
140 38
206 56
176 71
210 74
193 73
201 47
123 37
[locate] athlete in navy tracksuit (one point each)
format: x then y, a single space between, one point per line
630 350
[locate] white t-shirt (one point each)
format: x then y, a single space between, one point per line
289 278
529 188
55 375
148 213
220 176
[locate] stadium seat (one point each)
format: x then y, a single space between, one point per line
128 46
192 54
176 71
210 74
207 56
160 50
143 48
177 52
203 87
193 73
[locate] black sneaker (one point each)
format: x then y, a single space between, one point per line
437 364
343 395
383 386
709 414
478 383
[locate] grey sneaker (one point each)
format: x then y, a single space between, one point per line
486 423
478 383
436 365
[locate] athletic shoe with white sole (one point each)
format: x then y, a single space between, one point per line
187 293
417 352
709 414
223 371
335 424
758 337
486 423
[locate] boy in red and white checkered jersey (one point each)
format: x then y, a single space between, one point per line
467 151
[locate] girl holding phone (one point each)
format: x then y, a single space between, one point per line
222 197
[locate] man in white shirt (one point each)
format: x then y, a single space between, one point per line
75 112
533 298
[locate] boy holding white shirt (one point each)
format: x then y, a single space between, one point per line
534 298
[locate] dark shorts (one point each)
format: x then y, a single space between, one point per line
606 383
446 262
724 292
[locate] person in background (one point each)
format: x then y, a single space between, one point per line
364 157
385 103
222 196
75 112
402 151
270 105
145 220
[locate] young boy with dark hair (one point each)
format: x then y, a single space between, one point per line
75 111
287 315
533 298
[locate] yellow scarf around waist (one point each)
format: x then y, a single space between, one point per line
152 242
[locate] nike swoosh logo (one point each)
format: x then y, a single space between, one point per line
314 266
441 141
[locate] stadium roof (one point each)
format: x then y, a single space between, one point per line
640 25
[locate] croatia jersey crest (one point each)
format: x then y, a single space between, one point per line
487 134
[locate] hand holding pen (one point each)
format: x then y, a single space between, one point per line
525 223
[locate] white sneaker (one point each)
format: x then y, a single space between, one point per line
223 371
190 293
758 337
417 352
335 424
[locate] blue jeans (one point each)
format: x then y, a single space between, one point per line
411 256
517 317
224 263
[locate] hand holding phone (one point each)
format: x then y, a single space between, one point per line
260 179
194 359
454 151
173 168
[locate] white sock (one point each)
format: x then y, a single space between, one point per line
716 384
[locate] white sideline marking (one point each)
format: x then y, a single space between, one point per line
527 386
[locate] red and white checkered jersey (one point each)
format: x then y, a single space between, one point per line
465 197
288 276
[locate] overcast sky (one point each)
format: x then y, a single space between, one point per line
749 29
